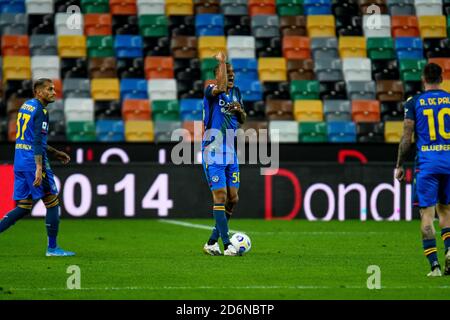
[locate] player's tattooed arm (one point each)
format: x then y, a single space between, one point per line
404 147
60 155
221 76
38 174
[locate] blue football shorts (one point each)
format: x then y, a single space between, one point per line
430 189
223 174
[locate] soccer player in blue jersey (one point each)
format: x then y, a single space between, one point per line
223 110
427 115
33 177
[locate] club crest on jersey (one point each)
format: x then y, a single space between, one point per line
221 102
215 179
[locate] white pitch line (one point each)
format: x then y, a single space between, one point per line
191 225
172 288
299 287
204 227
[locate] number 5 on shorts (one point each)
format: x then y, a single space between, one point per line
236 177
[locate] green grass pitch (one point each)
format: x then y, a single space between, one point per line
150 259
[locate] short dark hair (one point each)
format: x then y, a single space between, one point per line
39 83
216 68
432 73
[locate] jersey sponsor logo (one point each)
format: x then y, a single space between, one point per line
438 147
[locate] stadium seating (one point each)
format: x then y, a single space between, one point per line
43 45
370 132
179 7
393 131
352 47
159 68
279 110
357 69
107 110
139 131
13 23
71 46
45 67
405 26
102 67
76 88
337 110
78 109
380 28
320 26
380 48
98 24
136 109
341 132
401 8
324 48
150 7
191 109
208 46
361 90
292 25
234 7
184 47
133 89
284 131
95 6
428 7
312 132
81 131
308 111
110 130
272 69
366 111
163 130
15 45
265 26
165 110
100 46
241 47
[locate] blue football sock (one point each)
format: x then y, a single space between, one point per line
11 217
430 250
52 224
221 222
215 233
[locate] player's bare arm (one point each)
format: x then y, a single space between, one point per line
38 175
404 148
60 155
221 77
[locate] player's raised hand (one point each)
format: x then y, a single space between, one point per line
220 57
399 173
37 177
63 157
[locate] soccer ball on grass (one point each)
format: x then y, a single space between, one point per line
241 242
